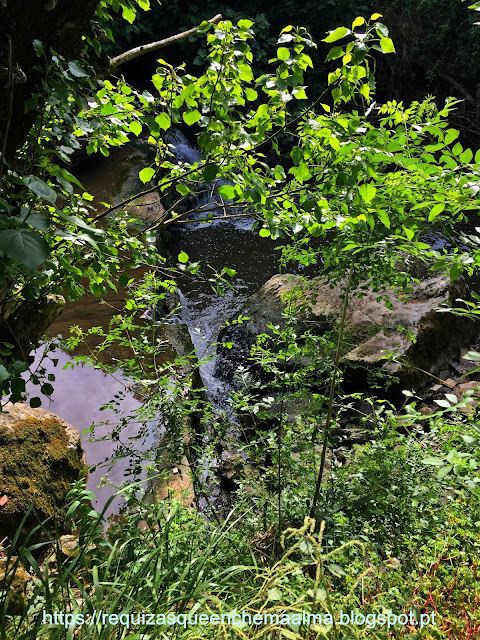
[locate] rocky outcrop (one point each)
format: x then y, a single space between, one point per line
409 327
40 456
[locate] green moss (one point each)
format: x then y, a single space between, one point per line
36 467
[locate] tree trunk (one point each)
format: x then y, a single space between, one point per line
58 24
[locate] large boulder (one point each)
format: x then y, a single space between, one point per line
409 327
40 456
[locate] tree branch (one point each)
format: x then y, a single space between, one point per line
459 86
153 46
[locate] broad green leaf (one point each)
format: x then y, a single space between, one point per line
251 94
436 211
135 127
367 192
35 403
334 142
183 257
387 45
191 117
472 355
4 375
432 460
335 52
336 570
246 73
146 174
283 53
182 189
40 188
209 172
163 120
77 70
443 403
264 233
25 247
383 217
466 156
227 191
245 24
128 13
274 594
444 471
457 149
337 34
376 16
452 134
357 22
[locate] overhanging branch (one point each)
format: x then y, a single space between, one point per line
153 46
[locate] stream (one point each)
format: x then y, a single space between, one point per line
81 390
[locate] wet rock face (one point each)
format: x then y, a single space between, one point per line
411 328
40 456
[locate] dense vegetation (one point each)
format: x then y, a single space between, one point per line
393 530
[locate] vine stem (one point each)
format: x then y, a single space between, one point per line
333 384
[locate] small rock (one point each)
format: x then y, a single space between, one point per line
436 387
450 382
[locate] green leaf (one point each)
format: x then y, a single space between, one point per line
25 247
4 375
146 174
367 192
336 570
246 73
472 355
436 211
432 460
182 189
452 134
227 191
209 172
191 117
376 16
383 217
40 188
337 34
264 233
245 24
128 13
387 45
283 53
335 52
163 120
444 471
274 594
251 94
358 22
38 46
466 156
135 127
77 70
35 403
183 257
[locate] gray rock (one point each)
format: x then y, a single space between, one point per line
411 329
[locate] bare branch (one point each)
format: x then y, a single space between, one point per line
153 46
459 86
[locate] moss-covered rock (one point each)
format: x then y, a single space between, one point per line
40 456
